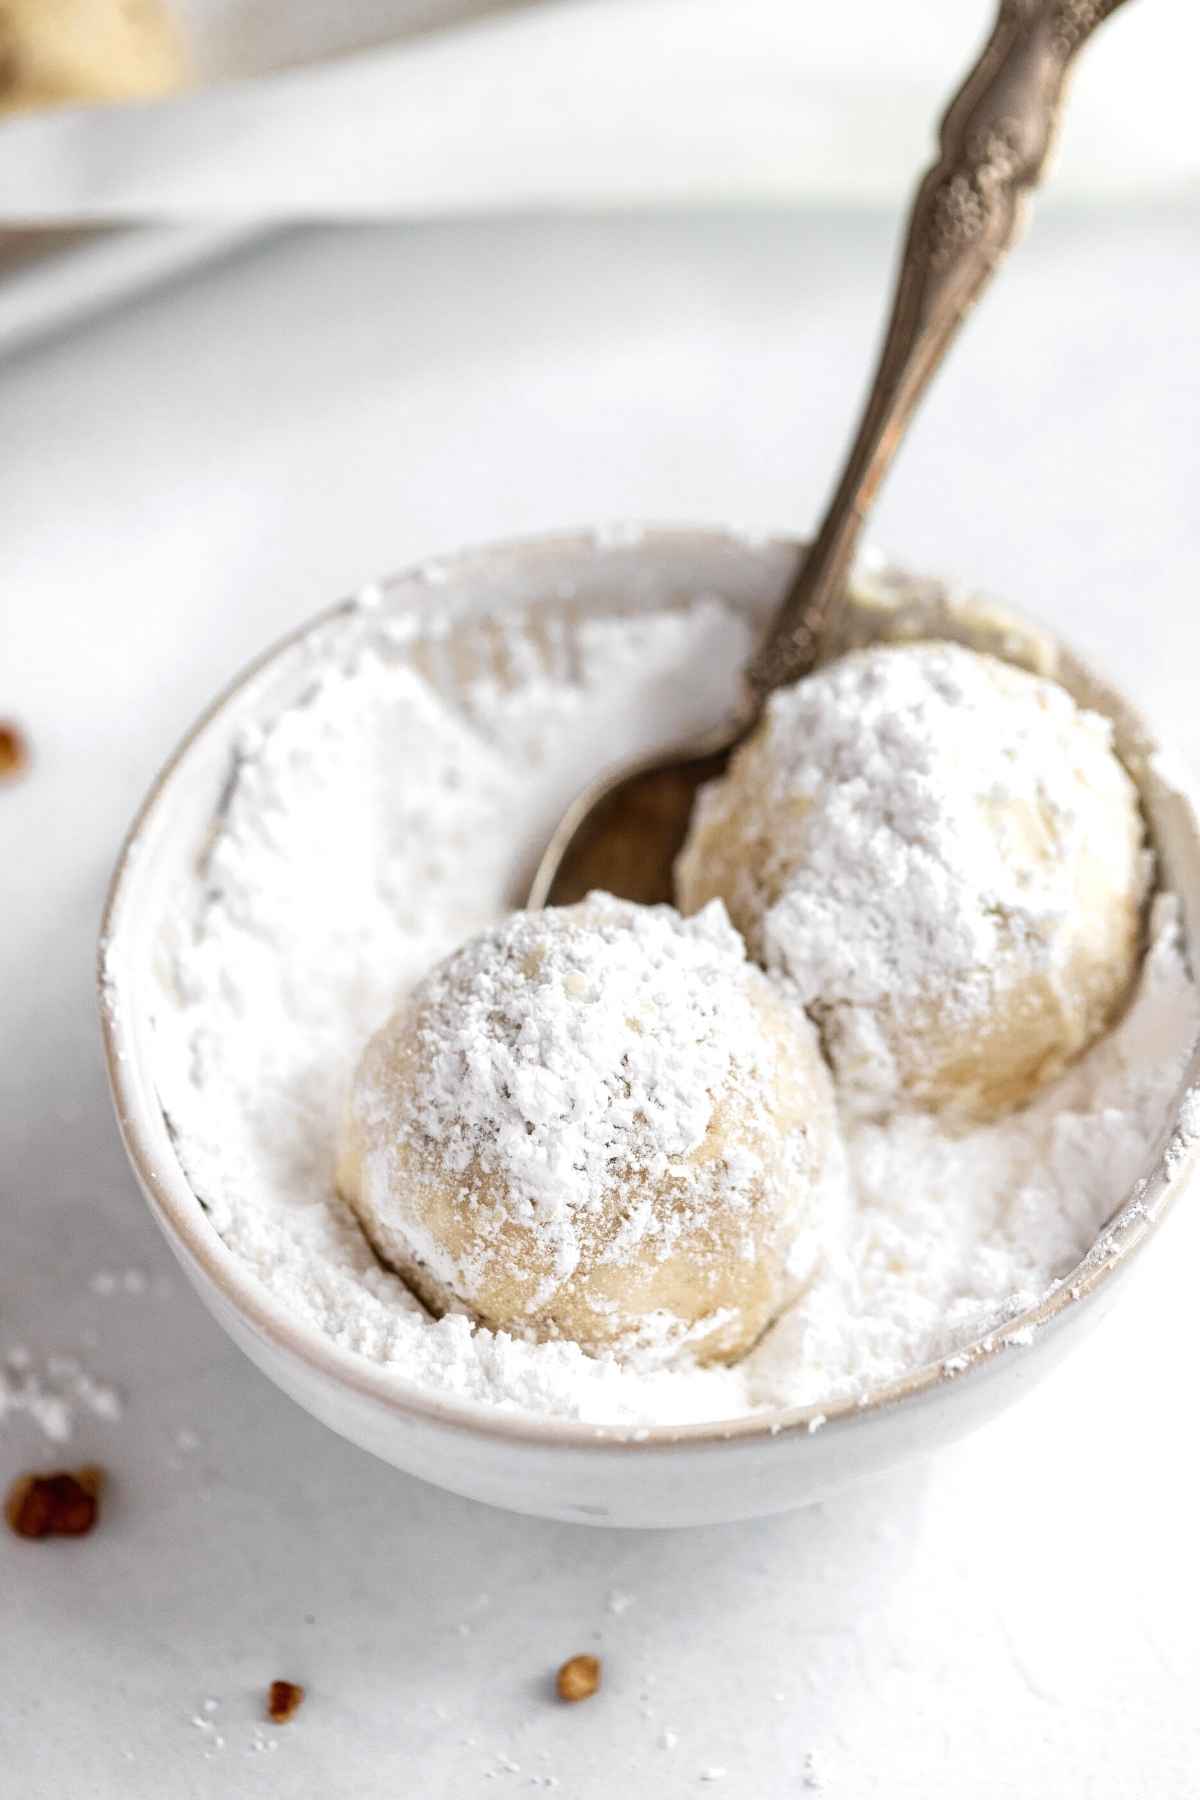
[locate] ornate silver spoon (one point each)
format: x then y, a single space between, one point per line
624 832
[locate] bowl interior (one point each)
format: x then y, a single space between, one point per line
591 572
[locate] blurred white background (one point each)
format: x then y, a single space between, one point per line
374 107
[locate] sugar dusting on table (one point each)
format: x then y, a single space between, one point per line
53 1392
396 808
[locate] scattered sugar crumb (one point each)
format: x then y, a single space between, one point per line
54 1393
107 1282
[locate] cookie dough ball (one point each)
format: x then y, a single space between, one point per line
57 51
598 1123
946 858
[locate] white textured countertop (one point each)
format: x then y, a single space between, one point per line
185 480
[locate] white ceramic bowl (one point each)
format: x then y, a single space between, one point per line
671 1476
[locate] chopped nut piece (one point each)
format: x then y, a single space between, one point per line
59 1505
578 1678
14 751
284 1699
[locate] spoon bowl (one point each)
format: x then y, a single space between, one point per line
624 832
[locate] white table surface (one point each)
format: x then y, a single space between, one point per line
185 479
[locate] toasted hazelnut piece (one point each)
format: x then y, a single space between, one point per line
58 1505
578 1678
14 751
284 1700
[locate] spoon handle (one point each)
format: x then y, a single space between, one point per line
994 142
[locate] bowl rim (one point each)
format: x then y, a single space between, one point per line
181 1215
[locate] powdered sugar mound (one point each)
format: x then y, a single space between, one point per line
396 809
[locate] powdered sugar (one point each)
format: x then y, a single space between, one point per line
572 1053
373 826
917 888
53 1392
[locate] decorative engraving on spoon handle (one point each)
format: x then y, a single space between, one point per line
994 142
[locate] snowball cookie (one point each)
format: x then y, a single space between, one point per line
600 1123
57 51
944 855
